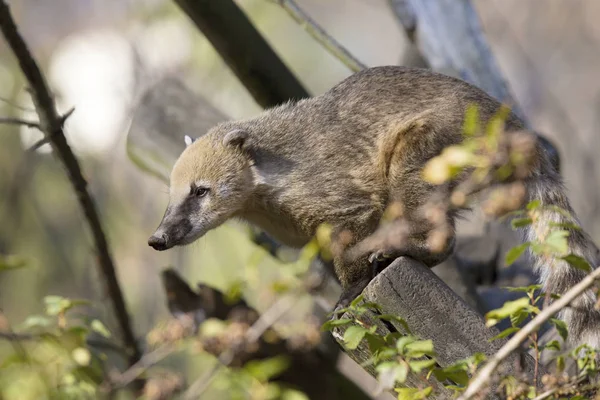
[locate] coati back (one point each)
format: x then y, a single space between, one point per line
341 158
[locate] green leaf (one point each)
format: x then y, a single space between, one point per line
413 393
80 332
388 373
401 372
371 306
265 370
8 262
292 394
577 262
329 325
419 348
457 376
520 222
505 333
534 204
81 356
513 254
553 345
509 308
36 321
386 353
356 301
57 304
403 341
98 327
565 225
419 365
561 327
517 318
212 327
510 214
524 289
557 240
14 359
455 388
560 211
353 336
471 122
560 363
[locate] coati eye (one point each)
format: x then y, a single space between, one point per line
198 191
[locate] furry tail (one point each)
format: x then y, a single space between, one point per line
582 320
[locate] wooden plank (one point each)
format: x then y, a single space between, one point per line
410 290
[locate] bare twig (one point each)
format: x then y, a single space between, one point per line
266 320
52 126
24 337
486 372
137 369
13 104
19 121
320 35
38 144
15 341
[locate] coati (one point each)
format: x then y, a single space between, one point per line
340 158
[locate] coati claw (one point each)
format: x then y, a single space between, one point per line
379 255
336 314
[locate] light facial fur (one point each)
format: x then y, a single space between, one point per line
210 181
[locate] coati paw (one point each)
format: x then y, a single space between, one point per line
380 260
379 255
337 311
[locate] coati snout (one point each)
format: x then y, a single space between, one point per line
172 231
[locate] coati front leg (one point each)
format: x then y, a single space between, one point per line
354 277
357 274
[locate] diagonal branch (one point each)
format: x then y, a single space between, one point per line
486 372
319 34
51 123
245 51
19 121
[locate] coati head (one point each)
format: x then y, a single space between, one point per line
209 183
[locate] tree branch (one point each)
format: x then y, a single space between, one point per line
24 337
486 372
52 126
19 121
245 51
319 34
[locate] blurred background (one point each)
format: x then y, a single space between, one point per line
100 55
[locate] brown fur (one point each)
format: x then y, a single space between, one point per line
341 158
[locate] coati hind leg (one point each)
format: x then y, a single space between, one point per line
429 233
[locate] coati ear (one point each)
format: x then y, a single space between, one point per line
236 138
188 140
